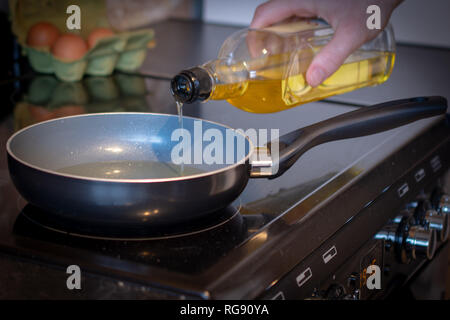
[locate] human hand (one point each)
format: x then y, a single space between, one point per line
347 17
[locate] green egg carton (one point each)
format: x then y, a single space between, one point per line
124 51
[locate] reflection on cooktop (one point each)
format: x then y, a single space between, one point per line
44 97
189 253
105 231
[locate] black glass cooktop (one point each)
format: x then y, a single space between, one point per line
188 257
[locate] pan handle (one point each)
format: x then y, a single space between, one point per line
358 123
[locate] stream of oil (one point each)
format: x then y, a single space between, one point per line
180 123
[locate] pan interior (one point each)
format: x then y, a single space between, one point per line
129 146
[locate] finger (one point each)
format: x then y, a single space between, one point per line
274 11
333 55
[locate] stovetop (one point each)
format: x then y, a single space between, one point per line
265 211
239 254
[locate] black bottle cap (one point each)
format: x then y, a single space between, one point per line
191 85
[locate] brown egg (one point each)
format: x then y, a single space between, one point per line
39 113
98 34
42 34
68 110
69 47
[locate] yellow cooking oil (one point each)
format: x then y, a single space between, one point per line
281 84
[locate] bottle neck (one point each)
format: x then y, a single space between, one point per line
192 85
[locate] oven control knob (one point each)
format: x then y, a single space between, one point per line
438 222
352 296
429 218
338 292
421 242
440 201
388 234
335 292
353 286
443 206
410 241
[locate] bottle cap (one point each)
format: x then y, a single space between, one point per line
191 85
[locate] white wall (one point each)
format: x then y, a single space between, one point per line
236 12
424 22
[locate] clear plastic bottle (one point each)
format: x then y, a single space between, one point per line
264 70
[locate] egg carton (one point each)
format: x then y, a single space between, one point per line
124 51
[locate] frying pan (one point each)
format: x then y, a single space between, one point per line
36 153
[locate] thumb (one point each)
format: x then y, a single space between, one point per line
333 55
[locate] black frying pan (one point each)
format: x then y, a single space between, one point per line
36 153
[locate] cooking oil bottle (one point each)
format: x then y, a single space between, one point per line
264 70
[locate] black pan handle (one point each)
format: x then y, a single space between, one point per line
358 123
